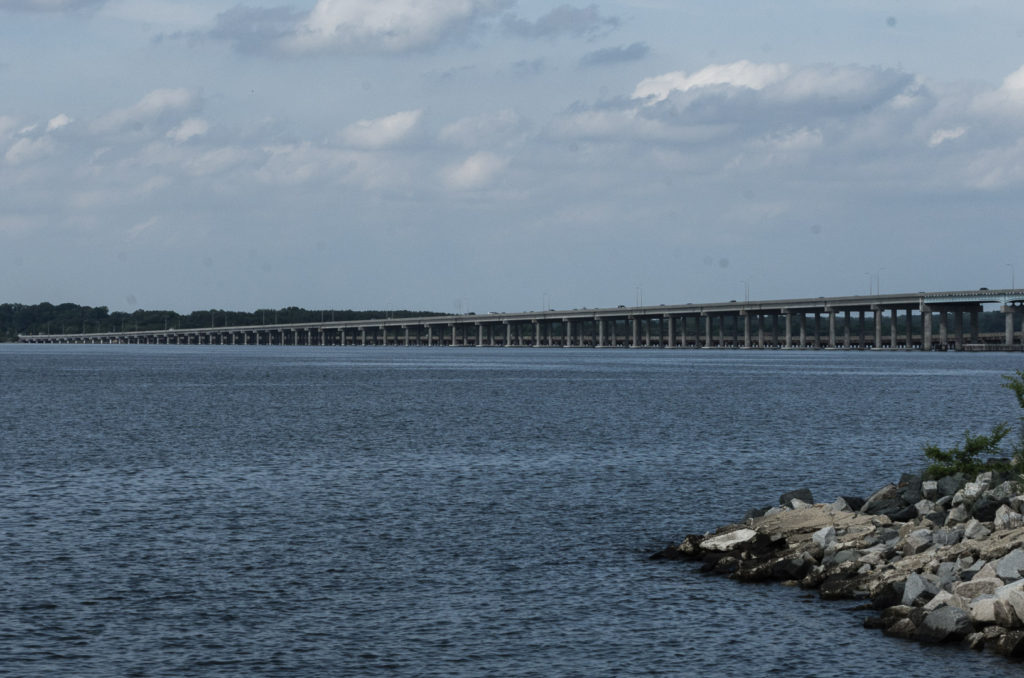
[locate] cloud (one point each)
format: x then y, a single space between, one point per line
48 5
941 135
381 132
474 172
152 106
384 25
616 55
563 20
57 122
191 127
739 74
27 149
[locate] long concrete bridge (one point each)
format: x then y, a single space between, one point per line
921 320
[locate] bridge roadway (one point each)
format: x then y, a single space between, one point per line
921 320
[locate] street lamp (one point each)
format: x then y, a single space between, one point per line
746 290
1013 282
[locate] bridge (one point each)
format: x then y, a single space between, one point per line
922 320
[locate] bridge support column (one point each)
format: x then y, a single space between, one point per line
671 322
802 322
926 327
635 341
943 330
760 331
847 328
958 328
878 327
721 331
746 329
831 329
789 330
1009 312
600 332
508 334
568 333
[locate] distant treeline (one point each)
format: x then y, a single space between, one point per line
48 318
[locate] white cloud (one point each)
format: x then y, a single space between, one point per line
738 74
151 106
475 171
191 127
941 135
57 122
382 25
27 149
381 132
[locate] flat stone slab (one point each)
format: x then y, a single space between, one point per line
729 540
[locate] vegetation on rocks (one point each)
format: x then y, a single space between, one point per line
983 452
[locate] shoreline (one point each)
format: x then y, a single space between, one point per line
939 561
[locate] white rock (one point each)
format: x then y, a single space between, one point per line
824 537
725 542
1007 518
973 490
930 489
974 529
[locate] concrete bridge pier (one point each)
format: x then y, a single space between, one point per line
926 327
847 327
1009 312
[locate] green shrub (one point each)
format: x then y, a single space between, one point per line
982 452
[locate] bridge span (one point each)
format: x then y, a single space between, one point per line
920 320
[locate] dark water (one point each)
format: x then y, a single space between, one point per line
288 511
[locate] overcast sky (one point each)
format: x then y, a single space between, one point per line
497 155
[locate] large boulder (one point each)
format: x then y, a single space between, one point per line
803 494
979 586
944 624
948 485
1007 519
885 501
918 588
992 610
1011 566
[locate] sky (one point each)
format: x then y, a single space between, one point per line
504 155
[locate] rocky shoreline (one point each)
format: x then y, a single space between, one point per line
937 561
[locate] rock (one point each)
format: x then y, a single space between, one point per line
930 489
946 536
985 509
975 641
1013 595
791 568
974 529
992 610
797 503
904 514
924 507
887 595
904 628
855 503
947 572
944 624
1004 492
1009 567
885 501
824 537
757 512
957 515
729 540
1009 644
910 486
976 587
950 599
840 505
1007 519
948 485
917 541
803 494
973 490
917 587
1017 503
